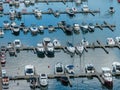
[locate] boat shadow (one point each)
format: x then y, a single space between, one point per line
41 55
50 55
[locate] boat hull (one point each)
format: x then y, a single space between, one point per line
108 84
40 53
16 32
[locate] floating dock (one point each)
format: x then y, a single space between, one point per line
48 12
40 1
96 45
107 25
54 76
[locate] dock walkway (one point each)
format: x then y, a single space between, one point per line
53 76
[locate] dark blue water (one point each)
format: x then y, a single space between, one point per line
98 57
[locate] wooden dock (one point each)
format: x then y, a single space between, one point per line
110 26
48 12
42 1
90 46
69 76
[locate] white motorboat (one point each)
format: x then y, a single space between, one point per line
107 76
34 29
70 69
78 1
76 27
68 29
56 13
110 41
5 82
29 70
84 27
25 29
16 30
12 25
12 13
41 29
17 43
85 8
84 42
116 67
89 68
91 27
32 2
3 72
56 43
79 49
59 68
62 24
46 40
27 2
117 40
1 33
43 79
40 49
6 24
51 28
74 9
10 2
37 12
111 10
16 2
3 49
10 45
70 48
2 58
50 49
5 79
70 12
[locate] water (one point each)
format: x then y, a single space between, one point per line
15 65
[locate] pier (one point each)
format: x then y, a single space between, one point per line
42 1
53 12
93 45
69 76
59 27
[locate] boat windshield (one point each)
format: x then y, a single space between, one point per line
70 66
90 68
59 69
118 67
29 71
17 43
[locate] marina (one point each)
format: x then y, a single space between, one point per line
59 45
34 29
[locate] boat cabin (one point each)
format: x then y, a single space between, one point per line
29 70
